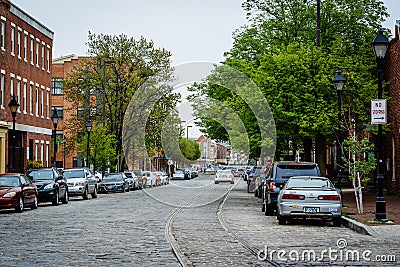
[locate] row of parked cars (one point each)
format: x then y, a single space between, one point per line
295 190
54 185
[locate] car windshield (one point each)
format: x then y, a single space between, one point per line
309 183
286 171
178 171
128 175
74 174
137 173
113 177
40 175
7 181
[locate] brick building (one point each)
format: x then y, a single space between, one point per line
392 137
25 73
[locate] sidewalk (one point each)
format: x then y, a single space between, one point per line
365 223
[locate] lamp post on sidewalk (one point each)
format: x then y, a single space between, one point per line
339 82
55 119
380 46
14 105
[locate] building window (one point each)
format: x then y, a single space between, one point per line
41 152
31 49
19 91
3 34
35 156
47 155
42 104
37 100
24 97
57 85
11 84
48 59
25 46
80 112
60 111
31 99
12 40
2 85
19 43
43 45
47 104
37 52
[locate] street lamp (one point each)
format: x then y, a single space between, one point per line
14 105
339 82
88 127
55 119
380 46
187 131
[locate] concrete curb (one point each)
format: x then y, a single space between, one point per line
357 226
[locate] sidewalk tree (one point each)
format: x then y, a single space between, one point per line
103 85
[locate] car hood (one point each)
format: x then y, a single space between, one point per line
5 190
112 182
75 180
43 182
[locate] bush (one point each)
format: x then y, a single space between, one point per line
34 164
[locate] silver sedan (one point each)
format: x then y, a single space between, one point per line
312 197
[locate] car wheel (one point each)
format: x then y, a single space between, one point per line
216 182
35 203
85 195
248 188
232 182
128 189
56 198
65 199
94 194
281 220
256 193
337 222
20 207
262 206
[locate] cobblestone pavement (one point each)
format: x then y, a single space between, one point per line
128 229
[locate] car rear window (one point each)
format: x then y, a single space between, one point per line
287 171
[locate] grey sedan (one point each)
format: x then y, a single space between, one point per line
311 197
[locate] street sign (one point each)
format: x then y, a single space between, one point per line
378 111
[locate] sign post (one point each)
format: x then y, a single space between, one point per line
378 111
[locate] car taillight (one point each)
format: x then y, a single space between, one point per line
293 196
329 197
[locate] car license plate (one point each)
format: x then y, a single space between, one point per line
311 210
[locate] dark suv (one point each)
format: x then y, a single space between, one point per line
278 175
51 185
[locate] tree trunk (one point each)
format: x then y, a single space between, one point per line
307 144
320 152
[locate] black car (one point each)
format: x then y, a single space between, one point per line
51 185
114 182
278 175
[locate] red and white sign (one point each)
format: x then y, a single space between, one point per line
378 111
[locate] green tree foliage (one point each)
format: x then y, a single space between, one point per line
103 85
190 149
277 50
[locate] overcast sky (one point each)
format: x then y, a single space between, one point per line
193 30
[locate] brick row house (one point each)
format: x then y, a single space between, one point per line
25 73
392 136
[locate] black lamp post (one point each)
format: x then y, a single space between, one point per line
380 46
55 119
187 131
339 82
14 105
88 127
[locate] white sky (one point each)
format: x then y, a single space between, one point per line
193 30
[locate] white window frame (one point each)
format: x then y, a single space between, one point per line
25 46
48 58
42 102
32 49
31 85
19 31
37 100
12 39
36 150
12 76
3 33
37 52
43 49
25 84
47 103
19 92
2 87
47 154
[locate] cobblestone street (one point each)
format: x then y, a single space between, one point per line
128 229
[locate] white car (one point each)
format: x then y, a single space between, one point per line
163 177
150 179
224 176
81 182
178 175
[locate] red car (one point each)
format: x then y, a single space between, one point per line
17 191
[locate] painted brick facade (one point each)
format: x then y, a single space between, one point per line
25 66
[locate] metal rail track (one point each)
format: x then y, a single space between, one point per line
244 243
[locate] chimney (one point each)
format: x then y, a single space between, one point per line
397 29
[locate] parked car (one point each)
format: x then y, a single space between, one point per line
188 174
81 182
278 175
149 178
51 185
305 197
239 172
251 178
139 175
259 181
132 179
224 176
17 191
163 177
99 176
210 170
178 175
114 182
